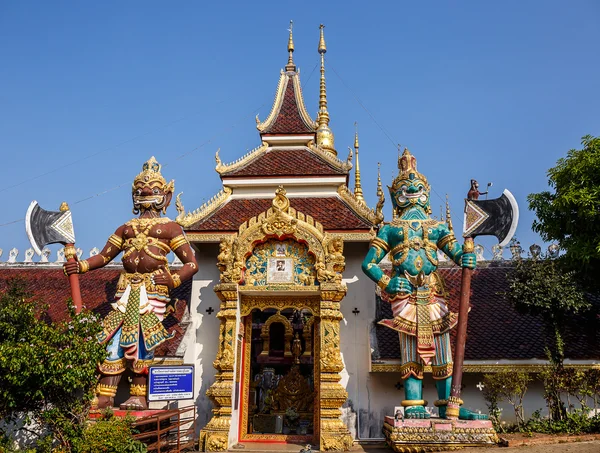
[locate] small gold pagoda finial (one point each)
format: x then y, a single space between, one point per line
448 218
358 192
380 195
290 64
63 207
324 134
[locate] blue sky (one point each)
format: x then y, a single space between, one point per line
496 91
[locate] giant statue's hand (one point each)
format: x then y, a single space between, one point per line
71 268
162 277
468 260
398 285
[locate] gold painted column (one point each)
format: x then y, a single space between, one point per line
334 434
215 435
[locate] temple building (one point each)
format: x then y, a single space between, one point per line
280 322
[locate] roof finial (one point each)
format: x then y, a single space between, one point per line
324 133
448 218
358 192
380 194
290 64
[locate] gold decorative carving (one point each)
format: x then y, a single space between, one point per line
187 220
281 221
223 169
249 303
343 165
358 207
266 333
294 391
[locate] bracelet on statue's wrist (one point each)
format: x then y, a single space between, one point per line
383 282
83 266
176 280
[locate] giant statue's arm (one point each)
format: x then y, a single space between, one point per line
450 246
112 248
379 248
182 248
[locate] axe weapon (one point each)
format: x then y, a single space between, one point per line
48 227
498 217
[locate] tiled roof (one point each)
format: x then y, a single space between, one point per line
496 330
50 286
331 212
288 120
287 162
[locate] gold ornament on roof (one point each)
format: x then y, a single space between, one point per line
290 64
325 137
358 192
151 176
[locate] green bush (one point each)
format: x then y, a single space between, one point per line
110 435
575 422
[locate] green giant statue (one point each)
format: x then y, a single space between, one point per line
421 316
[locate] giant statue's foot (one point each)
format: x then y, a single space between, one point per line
102 402
464 414
416 412
135 403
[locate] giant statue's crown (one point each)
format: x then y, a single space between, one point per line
151 175
407 171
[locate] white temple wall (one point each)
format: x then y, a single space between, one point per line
205 329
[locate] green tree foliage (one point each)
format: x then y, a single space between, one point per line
47 370
570 214
542 287
506 386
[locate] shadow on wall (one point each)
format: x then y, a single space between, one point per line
207 331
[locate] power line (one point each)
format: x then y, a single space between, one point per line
181 156
110 148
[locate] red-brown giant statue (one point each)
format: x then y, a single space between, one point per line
134 329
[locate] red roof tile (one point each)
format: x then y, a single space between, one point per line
331 212
287 162
288 120
50 286
496 330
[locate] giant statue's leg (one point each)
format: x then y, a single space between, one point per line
111 370
138 389
412 373
442 373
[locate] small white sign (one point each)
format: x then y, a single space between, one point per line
280 270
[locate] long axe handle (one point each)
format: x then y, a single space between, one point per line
70 254
454 402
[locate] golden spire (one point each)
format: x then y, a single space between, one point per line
290 64
448 218
358 192
324 134
380 194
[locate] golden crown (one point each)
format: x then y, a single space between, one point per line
151 175
407 165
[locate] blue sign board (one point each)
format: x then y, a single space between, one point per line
168 383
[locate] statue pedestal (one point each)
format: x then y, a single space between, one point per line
436 434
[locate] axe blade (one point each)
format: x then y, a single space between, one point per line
48 227
498 217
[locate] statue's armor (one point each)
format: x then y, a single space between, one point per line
421 317
134 329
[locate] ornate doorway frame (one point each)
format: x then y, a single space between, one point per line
281 222
248 304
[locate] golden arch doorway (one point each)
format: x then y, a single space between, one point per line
279 260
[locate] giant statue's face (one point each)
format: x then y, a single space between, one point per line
410 192
150 196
